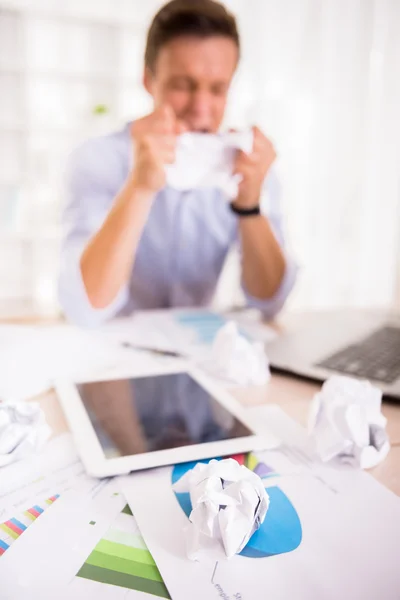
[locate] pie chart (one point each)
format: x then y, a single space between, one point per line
281 530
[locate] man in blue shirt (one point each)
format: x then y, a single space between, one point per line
132 242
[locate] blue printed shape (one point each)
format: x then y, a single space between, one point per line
281 530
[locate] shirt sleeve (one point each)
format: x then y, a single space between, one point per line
270 208
89 195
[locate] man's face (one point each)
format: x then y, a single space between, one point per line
193 75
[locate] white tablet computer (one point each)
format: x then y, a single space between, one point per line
123 425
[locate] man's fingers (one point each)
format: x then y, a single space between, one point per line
243 160
165 113
161 150
180 127
166 141
245 171
254 158
240 168
240 162
168 123
168 157
165 146
164 119
261 142
161 141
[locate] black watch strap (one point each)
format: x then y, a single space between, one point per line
245 212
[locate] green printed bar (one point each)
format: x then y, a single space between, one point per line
122 551
9 531
124 580
123 537
126 510
122 565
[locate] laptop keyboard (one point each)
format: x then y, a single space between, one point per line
375 357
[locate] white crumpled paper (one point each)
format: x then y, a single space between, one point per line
236 359
229 503
207 160
23 429
346 422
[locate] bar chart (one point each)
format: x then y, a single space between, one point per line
121 559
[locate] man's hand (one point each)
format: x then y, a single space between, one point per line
253 168
154 138
263 262
107 260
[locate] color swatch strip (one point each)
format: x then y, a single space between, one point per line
11 529
121 558
251 462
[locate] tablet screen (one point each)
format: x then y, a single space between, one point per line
133 416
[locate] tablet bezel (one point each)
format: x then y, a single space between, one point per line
92 454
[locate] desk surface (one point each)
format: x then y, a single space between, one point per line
293 396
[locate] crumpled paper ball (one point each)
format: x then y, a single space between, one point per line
216 169
236 359
229 503
23 429
346 422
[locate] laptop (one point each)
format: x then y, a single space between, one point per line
362 344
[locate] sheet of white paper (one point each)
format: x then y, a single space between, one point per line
56 464
71 539
43 354
54 547
190 331
132 575
65 535
329 532
31 486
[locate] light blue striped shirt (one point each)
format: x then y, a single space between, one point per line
182 248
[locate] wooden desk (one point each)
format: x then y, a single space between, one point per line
293 396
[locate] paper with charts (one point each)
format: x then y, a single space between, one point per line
86 551
119 566
328 534
28 488
190 332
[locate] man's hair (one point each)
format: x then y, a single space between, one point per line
200 18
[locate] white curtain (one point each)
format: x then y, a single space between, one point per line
322 78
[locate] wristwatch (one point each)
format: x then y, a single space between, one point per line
245 212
